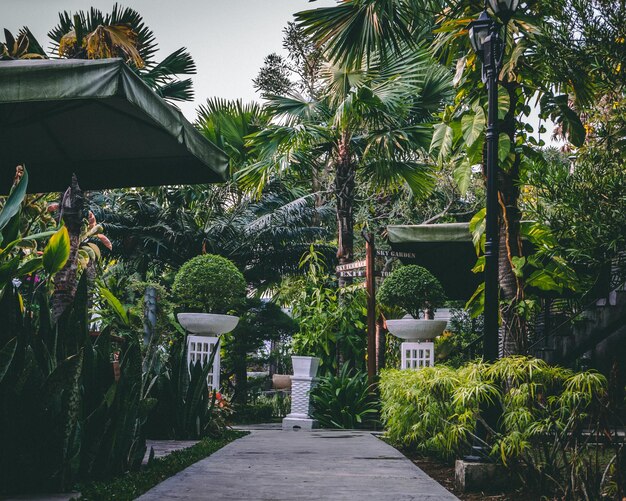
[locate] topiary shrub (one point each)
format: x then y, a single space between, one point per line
413 289
209 283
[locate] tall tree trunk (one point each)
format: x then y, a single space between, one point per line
65 281
513 330
344 194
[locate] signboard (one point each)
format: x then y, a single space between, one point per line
361 273
351 273
351 266
398 254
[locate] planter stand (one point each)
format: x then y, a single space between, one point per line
417 355
302 382
200 348
418 349
203 331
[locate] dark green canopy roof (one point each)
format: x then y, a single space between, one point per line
446 250
99 120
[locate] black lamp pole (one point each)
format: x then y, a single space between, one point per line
492 64
485 39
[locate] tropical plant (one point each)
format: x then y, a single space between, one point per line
72 405
25 46
209 283
373 119
331 319
345 400
413 289
185 408
358 30
122 33
550 421
154 231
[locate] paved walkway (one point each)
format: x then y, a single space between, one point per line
275 465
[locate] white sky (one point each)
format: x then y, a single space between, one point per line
228 39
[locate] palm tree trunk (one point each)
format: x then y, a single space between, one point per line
344 195
513 331
65 282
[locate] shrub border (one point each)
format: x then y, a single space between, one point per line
133 484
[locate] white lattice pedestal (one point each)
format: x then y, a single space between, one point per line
417 355
200 348
300 416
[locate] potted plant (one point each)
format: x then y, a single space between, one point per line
418 293
209 287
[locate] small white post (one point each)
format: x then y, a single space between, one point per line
302 382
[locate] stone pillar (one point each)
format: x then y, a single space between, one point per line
300 416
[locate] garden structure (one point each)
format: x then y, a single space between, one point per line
96 119
260 266
558 337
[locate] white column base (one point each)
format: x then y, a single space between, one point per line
298 423
416 355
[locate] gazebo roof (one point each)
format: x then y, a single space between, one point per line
446 250
98 119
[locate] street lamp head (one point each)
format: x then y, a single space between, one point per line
503 9
479 30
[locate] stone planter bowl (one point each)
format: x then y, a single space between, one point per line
281 381
411 329
207 324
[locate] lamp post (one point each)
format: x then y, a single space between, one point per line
485 39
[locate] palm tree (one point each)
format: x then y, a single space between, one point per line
361 29
265 236
25 46
122 33
372 121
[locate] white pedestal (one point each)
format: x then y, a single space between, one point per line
417 355
300 416
200 348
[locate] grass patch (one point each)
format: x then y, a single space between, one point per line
135 483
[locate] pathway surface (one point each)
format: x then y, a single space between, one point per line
276 465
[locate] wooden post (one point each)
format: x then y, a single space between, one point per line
381 344
370 284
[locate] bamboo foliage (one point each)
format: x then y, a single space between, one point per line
551 421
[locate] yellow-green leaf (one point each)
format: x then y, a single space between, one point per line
57 252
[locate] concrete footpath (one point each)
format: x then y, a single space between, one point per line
278 465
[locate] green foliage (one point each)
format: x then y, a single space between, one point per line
132 485
331 320
345 401
548 418
185 407
413 289
260 321
209 283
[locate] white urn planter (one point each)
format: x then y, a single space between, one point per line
207 324
302 382
412 329
305 366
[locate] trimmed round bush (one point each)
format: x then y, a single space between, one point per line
209 283
413 289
